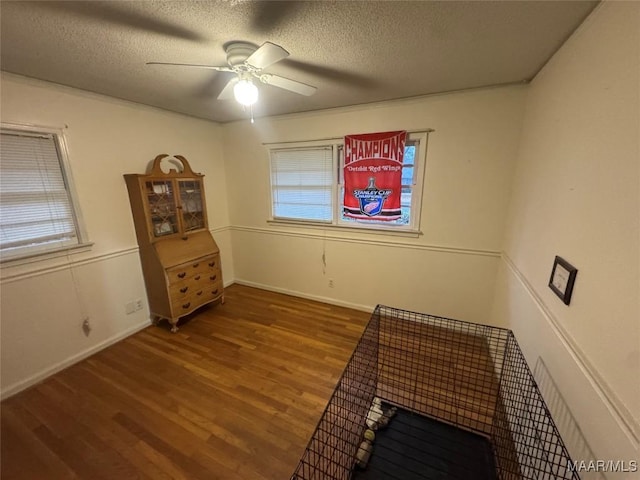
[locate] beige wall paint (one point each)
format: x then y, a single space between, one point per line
576 193
44 302
449 270
450 283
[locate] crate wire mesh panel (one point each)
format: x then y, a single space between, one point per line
469 376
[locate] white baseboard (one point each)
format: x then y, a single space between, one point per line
38 377
317 298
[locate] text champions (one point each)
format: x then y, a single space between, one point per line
391 148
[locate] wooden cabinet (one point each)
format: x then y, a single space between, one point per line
180 259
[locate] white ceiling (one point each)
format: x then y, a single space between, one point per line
354 52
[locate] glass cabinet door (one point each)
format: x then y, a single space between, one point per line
191 202
162 207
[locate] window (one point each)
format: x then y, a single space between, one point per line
302 183
307 185
37 212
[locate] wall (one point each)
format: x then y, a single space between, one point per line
43 303
449 270
576 194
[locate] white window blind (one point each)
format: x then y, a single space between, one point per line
36 212
302 183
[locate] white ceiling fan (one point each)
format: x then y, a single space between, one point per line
248 62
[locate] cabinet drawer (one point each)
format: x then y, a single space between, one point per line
183 304
194 287
203 266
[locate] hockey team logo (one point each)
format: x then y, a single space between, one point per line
371 199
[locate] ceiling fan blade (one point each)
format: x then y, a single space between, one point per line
330 73
268 54
288 84
227 91
209 67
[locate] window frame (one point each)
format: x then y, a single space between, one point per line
38 252
302 146
419 138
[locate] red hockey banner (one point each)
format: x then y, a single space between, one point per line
373 175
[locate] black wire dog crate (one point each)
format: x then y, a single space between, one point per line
460 403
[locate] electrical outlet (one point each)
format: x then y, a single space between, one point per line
130 307
331 283
138 304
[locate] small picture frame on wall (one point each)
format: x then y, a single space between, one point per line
563 276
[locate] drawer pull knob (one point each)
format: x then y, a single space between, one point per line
215 291
197 277
213 277
212 264
199 293
186 305
182 275
184 289
195 265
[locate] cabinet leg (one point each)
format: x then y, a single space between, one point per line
174 326
155 320
222 299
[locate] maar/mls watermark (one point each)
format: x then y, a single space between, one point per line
604 466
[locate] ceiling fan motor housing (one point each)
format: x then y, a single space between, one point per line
238 52
247 61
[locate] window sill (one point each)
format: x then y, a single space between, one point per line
346 228
33 257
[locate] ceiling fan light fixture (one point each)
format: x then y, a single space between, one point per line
245 92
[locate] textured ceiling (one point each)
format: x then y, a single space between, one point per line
354 52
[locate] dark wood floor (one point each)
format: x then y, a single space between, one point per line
235 394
